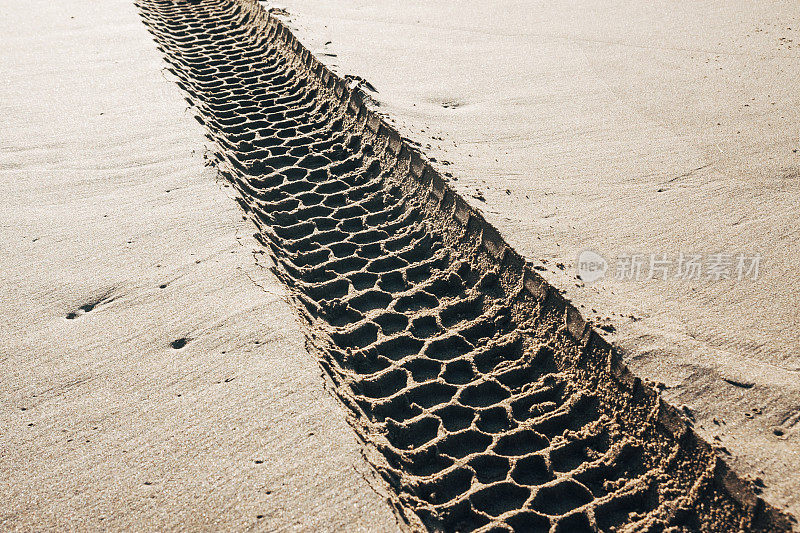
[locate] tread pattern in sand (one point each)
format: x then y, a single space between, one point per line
486 413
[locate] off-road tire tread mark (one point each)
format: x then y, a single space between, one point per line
492 404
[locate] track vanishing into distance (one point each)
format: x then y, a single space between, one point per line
487 402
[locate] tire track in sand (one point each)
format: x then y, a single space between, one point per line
493 406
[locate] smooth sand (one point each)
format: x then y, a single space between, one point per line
103 425
623 128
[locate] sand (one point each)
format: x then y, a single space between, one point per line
159 377
103 425
489 401
627 129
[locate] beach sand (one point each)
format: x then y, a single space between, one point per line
117 242
160 362
627 129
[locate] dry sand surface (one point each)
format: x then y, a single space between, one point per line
491 404
627 128
156 375
110 214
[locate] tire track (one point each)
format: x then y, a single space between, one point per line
493 406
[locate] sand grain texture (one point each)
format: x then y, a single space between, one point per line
111 218
624 127
490 402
